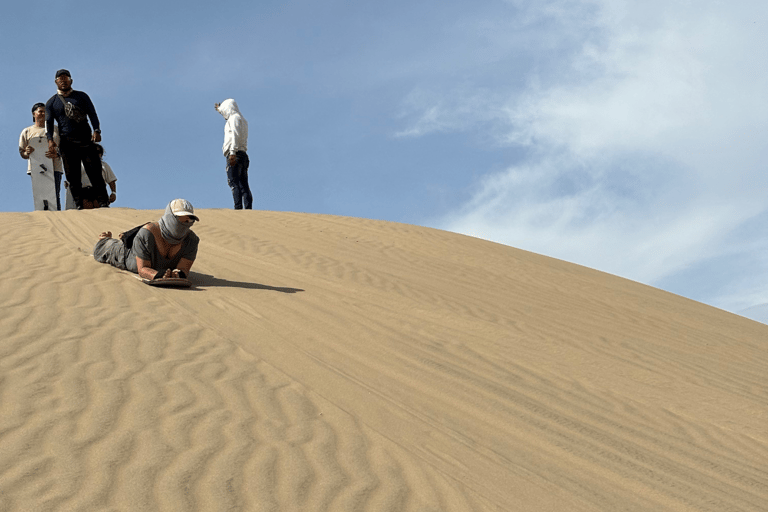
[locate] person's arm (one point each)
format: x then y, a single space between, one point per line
91 111
240 131
113 195
229 141
110 179
184 265
24 148
188 256
52 153
239 135
49 121
147 272
143 248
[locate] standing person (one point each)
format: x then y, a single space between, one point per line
71 110
38 130
88 196
235 151
109 177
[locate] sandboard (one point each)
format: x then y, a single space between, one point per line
167 282
69 202
43 180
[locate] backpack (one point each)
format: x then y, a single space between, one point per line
127 236
72 111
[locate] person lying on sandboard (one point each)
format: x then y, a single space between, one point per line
160 252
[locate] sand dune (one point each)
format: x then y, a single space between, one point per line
332 364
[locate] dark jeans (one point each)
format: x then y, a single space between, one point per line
237 177
57 181
73 154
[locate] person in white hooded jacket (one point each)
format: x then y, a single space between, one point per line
235 151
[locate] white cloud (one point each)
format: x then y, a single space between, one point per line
646 149
554 208
461 110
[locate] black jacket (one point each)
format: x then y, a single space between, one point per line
69 129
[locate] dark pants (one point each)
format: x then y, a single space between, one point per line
73 154
237 177
57 181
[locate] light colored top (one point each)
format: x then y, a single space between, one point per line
106 171
236 128
33 131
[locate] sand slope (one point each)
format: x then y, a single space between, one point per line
335 364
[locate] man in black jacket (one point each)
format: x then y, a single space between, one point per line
71 110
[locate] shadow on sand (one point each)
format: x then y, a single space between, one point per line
205 280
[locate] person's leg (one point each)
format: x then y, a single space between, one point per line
233 179
110 250
92 165
71 160
245 162
88 196
57 181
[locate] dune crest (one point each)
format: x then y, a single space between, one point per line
325 363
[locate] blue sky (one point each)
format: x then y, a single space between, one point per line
626 136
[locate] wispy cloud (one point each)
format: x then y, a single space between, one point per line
645 150
458 110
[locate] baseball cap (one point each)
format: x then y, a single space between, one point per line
181 207
63 72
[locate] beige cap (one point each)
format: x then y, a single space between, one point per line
181 207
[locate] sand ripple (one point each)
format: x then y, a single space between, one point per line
331 364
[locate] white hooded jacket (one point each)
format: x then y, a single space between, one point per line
236 128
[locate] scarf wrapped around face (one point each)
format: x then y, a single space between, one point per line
173 230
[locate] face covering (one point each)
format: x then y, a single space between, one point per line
172 229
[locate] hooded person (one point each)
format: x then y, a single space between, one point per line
235 152
156 250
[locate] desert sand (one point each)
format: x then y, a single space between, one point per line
324 363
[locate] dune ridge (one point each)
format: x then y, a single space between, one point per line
325 363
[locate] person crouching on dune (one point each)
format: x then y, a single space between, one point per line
163 249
